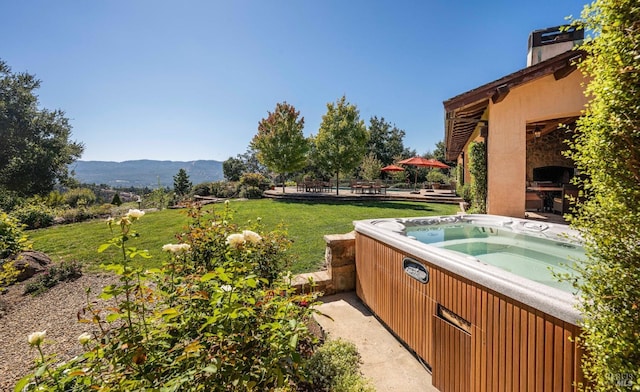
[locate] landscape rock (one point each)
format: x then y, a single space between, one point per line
30 263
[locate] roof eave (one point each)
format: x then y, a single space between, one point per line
455 116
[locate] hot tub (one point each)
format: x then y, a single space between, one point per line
473 296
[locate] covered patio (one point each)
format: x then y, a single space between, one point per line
524 119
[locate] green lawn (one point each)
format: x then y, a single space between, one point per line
307 222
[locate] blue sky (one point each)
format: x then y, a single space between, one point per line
186 80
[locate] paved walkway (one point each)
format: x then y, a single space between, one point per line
385 361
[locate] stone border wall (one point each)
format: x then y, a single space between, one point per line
340 260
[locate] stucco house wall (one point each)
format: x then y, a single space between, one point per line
541 99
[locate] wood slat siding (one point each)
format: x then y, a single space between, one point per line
452 348
512 346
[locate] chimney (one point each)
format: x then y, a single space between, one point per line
547 43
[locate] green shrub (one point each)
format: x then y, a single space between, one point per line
79 197
435 175
12 238
8 274
224 189
464 191
72 215
159 198
34 216
256 180
402 185
10 200
335 366
203 189
64 272
55 199
478 171
605 148
251 192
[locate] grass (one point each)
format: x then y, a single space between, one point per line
307 223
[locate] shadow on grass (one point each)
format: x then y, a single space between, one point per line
398 205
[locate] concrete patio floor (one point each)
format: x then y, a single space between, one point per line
385 361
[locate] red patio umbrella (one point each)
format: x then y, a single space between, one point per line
422 162
392 168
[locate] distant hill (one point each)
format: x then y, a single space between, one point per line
141 173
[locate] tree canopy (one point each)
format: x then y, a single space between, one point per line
385 141
181 183
36 146
606 150
280 143
341 140
233 168
251 162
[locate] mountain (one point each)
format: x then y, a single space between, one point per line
141 173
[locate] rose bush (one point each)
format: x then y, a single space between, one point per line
220 315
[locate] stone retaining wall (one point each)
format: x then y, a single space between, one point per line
340 260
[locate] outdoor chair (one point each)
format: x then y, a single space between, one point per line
309 185
566 200
356 187
379 187
327 186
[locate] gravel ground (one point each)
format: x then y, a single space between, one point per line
54 311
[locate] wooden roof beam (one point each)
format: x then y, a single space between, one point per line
501 93
569 67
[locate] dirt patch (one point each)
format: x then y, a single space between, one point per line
54 311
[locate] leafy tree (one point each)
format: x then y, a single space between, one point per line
439 152
313 168
370 167
385 140
606 149
233 168
251 162
36 149
181 183
280 143
342 138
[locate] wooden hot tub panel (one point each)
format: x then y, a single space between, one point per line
486 341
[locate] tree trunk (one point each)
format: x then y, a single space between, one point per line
283 182
337 183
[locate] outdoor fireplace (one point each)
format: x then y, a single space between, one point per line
553 174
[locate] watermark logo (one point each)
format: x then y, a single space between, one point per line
621 379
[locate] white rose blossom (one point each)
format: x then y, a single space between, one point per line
84 338
226 287
36 338
235 240
251 236
176 248
134 214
